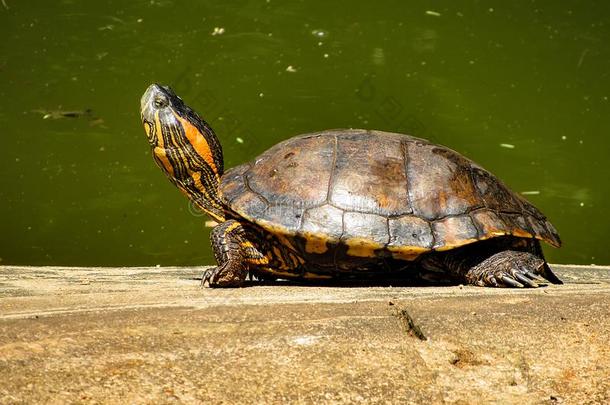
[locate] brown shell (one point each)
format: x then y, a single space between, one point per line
374 190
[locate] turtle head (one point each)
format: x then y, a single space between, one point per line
184 146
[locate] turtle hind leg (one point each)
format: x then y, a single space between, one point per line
235 251
499 262
510 268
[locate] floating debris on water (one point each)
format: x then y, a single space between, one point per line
94 121
116 19
433 13
582 57
531 192
507 145
261 95
319 33
239 140
378 56
582 204
290 69
58 114
563 138
218 31
326 55
97 122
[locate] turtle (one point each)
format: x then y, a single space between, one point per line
349 204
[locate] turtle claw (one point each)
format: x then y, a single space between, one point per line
511 282
523 279
492 282
533 276
209 276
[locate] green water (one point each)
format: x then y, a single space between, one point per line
472 75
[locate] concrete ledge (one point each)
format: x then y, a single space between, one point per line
152 335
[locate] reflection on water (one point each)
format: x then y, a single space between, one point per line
520 87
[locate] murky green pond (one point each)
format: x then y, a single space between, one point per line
521 87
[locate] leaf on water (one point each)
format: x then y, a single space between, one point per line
507 145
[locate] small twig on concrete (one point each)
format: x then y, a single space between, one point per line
409 323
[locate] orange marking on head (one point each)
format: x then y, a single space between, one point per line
200 144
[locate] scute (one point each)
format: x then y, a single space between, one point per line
372 190
496 195
364 233
233 183
410 231
369 174
439 182
453 232
490 223
294 172
324 220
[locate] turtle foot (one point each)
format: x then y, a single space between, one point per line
511 269
222 276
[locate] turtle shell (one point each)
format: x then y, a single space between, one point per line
372 191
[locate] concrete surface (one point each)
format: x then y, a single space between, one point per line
152 335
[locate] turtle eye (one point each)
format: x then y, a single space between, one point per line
160 101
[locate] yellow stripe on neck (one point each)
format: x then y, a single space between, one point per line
159 150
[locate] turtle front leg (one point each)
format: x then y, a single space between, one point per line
234 251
